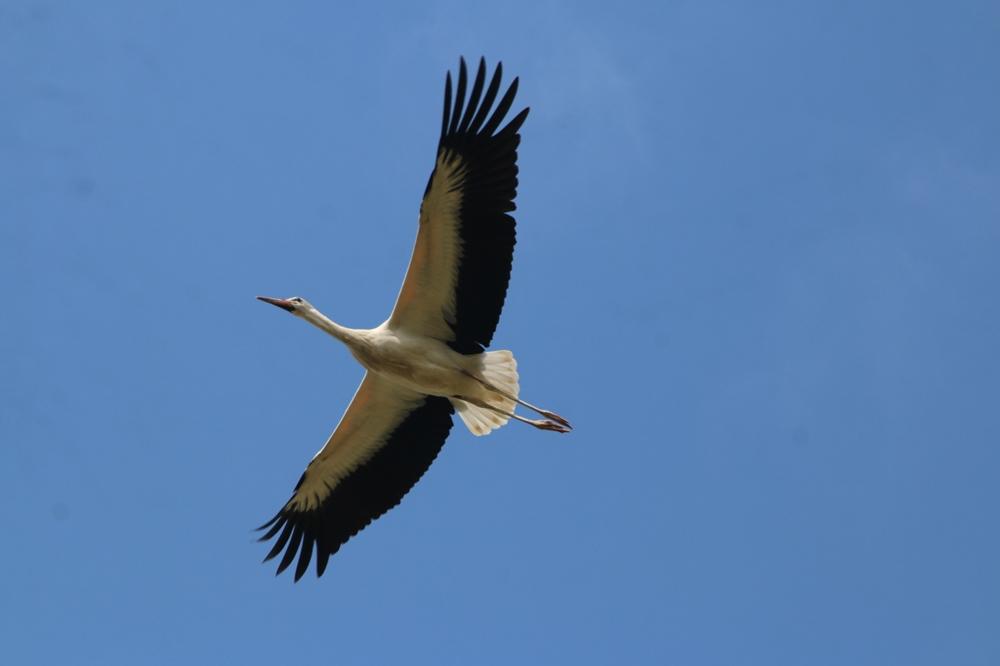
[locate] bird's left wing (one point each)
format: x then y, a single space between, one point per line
457 280
386 440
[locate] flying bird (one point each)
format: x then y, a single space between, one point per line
428 359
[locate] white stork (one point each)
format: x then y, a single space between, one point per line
427 360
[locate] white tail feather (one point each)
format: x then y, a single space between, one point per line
498 369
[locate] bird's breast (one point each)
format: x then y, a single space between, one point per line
422 365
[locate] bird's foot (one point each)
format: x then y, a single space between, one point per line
551 425
555 417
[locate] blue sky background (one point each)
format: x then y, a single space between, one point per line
758 263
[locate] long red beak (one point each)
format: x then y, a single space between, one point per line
280 302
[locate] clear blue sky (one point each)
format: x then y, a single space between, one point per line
758 264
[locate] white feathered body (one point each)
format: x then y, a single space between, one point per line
428 366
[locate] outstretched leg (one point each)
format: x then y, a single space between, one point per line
552 425
544 412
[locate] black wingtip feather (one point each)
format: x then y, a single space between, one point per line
274 529
322 557
447 104
502 108
488 99
514 125
459 97
293 548
304 557
280 543
477 90
268 523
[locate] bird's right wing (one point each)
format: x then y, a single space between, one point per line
386 440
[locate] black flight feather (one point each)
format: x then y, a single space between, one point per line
371 489
486 231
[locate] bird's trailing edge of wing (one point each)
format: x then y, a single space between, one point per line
384 443
457 281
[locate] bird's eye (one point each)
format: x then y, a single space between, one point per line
296 300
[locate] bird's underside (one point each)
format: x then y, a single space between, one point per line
483 387
428 359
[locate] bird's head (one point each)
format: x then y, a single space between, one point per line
296 304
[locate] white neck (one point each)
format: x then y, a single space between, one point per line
346 335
